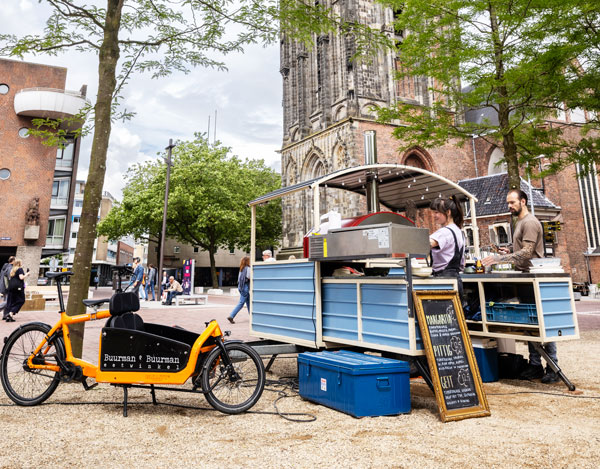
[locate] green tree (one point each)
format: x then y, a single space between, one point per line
209 193
512 55
156 37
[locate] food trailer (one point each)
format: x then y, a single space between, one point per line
313 303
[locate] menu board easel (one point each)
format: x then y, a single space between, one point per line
454 372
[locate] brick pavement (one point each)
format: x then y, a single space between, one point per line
192 317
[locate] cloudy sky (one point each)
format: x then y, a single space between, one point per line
247 99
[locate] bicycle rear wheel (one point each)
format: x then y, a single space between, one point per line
23 385
236 388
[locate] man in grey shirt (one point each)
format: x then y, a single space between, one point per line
528 243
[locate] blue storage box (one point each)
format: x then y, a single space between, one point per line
509 312
486 354
357 384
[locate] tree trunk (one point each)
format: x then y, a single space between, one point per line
508 137
107 82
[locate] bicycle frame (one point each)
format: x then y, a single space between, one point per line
123 377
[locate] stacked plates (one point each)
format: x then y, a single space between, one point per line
547 270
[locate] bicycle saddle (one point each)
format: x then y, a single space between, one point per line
92 302
58 274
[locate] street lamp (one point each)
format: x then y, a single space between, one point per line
164 220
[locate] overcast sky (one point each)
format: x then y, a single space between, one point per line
247 99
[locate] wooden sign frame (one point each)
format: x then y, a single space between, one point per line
481 410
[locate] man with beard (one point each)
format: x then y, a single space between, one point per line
528 243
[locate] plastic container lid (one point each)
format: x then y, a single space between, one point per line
353 363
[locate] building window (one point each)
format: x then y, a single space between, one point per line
4 174
64 156
76 219
23 132
469 236
79 203
500 234
60 193
74 235
4 88
176 249
231 250
590 204
196 249
56 232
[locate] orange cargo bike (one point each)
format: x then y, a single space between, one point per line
132 354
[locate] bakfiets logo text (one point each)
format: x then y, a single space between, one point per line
132 359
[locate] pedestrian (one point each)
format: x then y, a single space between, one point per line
173 290
243 288
267 256
151 282
16 286
528 243
4 280
96 281
164 284
137 277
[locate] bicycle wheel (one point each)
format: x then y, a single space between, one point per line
236 388
26 386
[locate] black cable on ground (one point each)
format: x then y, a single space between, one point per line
542 392
279 386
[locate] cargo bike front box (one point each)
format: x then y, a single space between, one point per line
357 384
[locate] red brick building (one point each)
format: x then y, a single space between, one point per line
34 177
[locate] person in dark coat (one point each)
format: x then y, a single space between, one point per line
4 280
16 287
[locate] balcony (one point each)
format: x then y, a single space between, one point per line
49 103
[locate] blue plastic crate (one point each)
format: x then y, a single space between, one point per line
508 312
357 384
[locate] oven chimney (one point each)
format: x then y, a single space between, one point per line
372 191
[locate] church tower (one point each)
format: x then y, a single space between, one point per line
329 100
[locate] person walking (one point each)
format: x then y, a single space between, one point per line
243 288
4 281
16 286
151 282
137 277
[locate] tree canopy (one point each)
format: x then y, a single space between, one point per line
208 196
158 37
515 58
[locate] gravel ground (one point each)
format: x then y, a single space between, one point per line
532 425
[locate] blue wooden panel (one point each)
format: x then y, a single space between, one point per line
283 300
340 316
556 306
385 315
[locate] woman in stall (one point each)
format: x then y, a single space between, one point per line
448 243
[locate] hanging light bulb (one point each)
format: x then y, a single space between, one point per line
427 189
359 181
414 180
422 197
409 185
440 195
343 183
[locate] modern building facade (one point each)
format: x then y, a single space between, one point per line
107 253
329 101
36 181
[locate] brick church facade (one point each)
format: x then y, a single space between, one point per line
329 101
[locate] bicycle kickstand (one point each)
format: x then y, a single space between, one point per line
86 386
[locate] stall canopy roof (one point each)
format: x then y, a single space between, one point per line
397 184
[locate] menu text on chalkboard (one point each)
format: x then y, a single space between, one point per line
450 356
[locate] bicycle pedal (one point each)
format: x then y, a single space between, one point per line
86 386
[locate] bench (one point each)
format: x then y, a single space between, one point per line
185 298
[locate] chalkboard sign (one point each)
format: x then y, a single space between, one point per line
454 372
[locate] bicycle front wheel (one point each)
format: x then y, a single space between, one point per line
235 388
26 386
